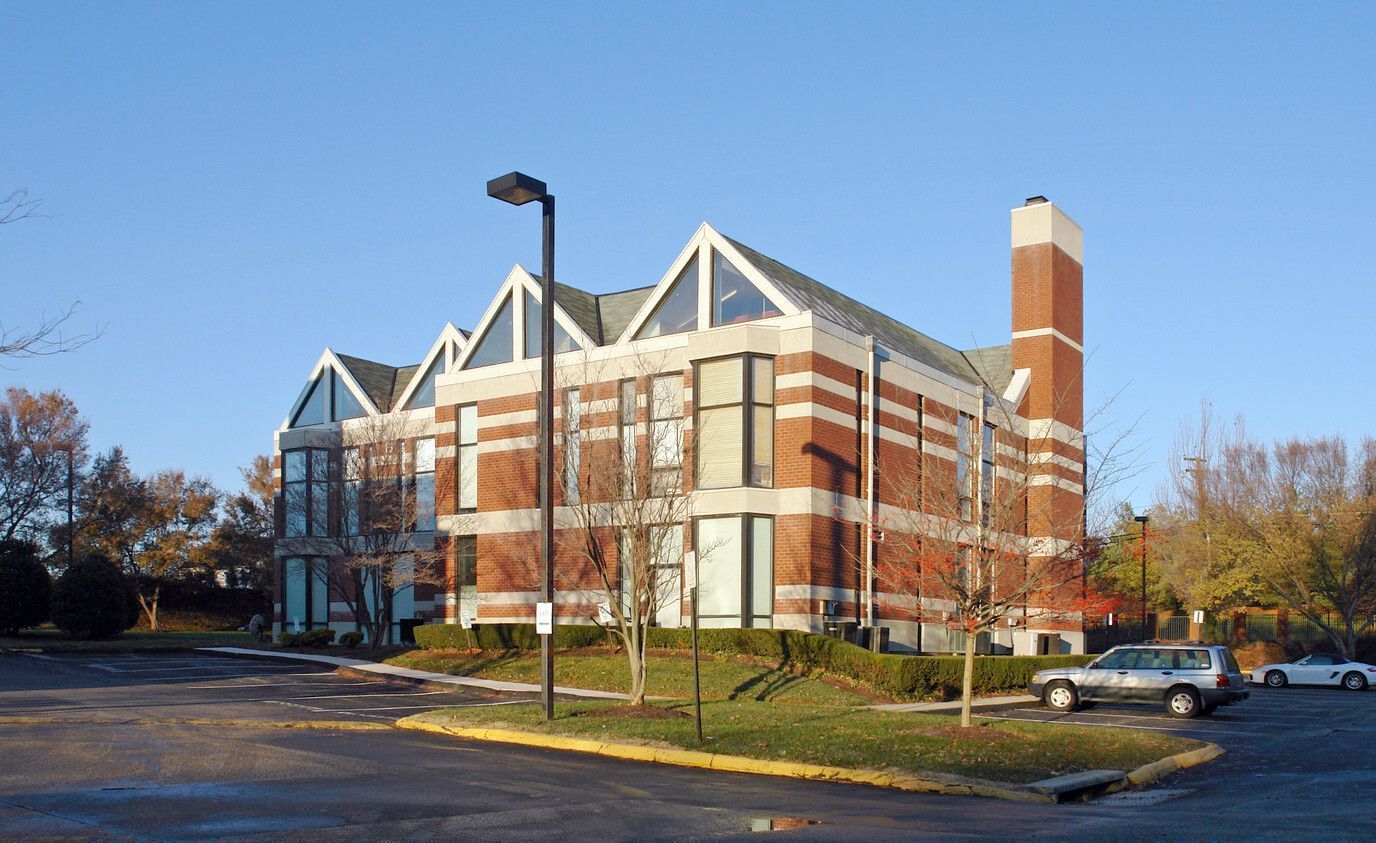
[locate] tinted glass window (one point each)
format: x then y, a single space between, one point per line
679 310
495 346
1195 660
1320 658
1229 661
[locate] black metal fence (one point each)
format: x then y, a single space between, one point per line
1282 627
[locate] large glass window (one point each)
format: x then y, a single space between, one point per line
424 485
678 311
735 559
496 344
424 396
666 432
466 476
666 542
534 312
626 398
921 457
305 599
734 298
986 459
735 434
353 484
965 479
306 491
466 574
346 406
573 443
312 410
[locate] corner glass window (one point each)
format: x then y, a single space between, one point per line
678 311
734 298
735 407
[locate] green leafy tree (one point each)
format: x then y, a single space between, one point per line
25 587
38 433
241 545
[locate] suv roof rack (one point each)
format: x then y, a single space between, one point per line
1175 643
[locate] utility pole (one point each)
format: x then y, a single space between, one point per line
71 497
1142 519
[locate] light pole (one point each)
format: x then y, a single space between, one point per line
1142 519
518 189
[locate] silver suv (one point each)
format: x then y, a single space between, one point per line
1189 679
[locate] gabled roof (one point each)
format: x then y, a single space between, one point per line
993 364
377 379
810 294
618 309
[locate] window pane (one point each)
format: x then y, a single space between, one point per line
313 408
666 397
735 299
295 501
424 396
719 382
720 448
425 455
466 553
320 593
761 566
350 503
627 399
468 477
667 445
495 346
534 312
320 464
762 369
320 509
678 311
353 464
719 566
346 406
762 447
425 502
468 424
294 604
294 465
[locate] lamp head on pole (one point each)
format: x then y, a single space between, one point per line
1140 519
517 188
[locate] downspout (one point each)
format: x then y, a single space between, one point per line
872 365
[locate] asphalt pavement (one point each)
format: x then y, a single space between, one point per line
181 747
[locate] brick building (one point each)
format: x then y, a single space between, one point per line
764 378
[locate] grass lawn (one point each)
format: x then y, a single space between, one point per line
667 675
846 736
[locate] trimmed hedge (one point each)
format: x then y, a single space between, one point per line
906 677
319 637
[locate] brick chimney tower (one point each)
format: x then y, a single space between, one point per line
1048 341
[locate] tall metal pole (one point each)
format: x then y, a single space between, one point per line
547 446
1143 521
697 676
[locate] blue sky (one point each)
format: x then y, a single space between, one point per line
233 187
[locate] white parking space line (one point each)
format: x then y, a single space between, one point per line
1188 731
255 685
382 694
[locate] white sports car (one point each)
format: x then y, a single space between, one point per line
1316 669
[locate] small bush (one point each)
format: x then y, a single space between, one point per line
351 639
1253 655
907 677
25 587
91 599
319 637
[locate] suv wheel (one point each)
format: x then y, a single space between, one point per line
1354 681
1276 679
1061 696
1182 702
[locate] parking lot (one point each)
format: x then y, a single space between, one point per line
199 685
1270 714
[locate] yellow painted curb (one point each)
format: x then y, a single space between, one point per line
727 763
1148 773
333 725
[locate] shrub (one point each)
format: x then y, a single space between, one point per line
1254 654
319 637
909 677
25 587
91 599
351 639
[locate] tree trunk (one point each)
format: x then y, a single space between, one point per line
635 653
150 607
967 681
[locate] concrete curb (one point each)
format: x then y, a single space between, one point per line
331 725
1148 773
728 763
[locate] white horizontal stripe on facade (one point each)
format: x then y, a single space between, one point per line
1049 457
445 451
816 380
806 409
504 419
1053 480
807 591
1042 429
1049 332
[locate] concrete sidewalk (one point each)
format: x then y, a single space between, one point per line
390 671
953 706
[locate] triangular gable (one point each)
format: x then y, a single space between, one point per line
440 357
562 320
317 380
704 241
678 310
517 281
734 297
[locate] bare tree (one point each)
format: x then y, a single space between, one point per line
981 534
1297 516
621 441
39 436
47 338
18 206
380 544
